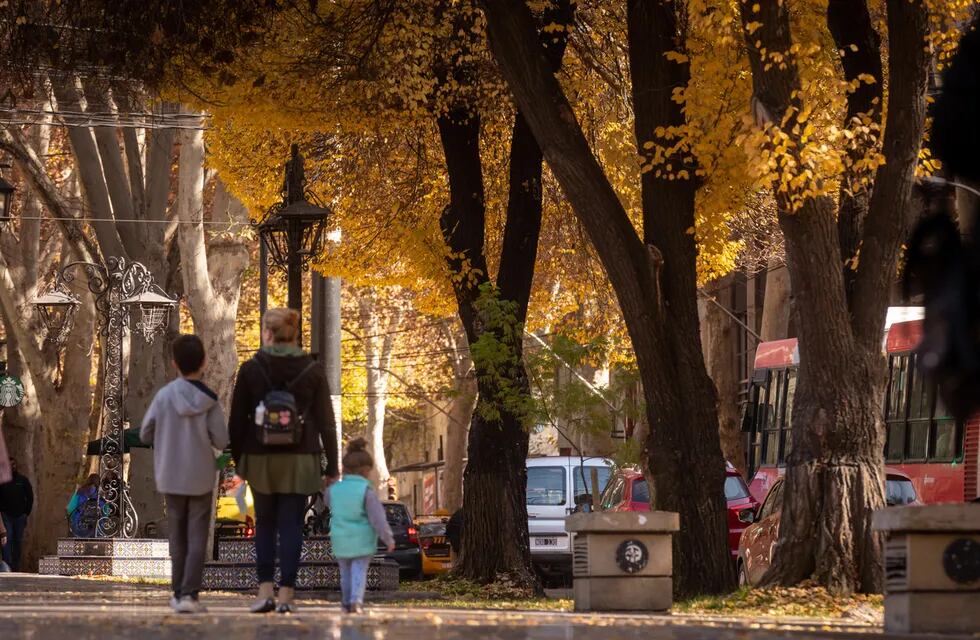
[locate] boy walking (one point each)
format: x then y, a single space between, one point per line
185 425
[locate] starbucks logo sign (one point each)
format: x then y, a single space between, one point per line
11 391
632 556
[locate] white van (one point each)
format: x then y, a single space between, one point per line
553 482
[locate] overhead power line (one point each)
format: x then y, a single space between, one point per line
122 119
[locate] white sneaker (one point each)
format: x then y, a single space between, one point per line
175 603
189 604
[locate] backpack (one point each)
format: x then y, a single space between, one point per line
278 417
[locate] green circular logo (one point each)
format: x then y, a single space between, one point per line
11 391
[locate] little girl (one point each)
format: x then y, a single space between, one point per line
357 520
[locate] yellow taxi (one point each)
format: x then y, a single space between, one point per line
235 514
436 557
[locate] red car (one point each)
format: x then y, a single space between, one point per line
627 490
761 538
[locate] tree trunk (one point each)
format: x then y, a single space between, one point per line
461 407
777 303
495 539
834 471
718 341
655 284
212 276
378 341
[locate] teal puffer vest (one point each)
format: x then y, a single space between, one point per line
351 533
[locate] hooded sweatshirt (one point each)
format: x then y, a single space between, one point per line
184 424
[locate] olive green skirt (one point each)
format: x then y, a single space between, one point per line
282 472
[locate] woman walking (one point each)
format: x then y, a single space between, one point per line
281 420
357 520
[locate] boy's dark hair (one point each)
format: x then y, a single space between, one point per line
188 353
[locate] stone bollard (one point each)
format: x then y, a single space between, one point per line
622 561
932 568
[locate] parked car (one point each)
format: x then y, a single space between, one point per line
628 491
408 551
555 484
760 539
436 556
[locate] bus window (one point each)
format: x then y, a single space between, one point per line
945 437
917 431
771 420
919 426
788 414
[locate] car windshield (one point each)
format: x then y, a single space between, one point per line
397 515
546 486
899 491
735 488
603 472
433 529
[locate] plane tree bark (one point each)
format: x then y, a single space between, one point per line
654 275
460 412
834 474
211 265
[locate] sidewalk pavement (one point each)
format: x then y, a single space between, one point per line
57 608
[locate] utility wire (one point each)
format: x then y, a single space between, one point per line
131 220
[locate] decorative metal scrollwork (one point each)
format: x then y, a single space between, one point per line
119 287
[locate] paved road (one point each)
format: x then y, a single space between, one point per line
51 608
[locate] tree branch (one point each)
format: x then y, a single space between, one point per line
888 218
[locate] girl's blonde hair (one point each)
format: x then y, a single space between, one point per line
283 324
357 460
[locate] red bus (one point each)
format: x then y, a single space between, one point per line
923 442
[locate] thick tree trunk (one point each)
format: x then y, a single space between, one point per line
777 304
654 284
834 471
718 341
212 275
495 539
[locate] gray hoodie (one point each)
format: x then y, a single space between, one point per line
184 424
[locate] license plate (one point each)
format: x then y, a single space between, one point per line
546 542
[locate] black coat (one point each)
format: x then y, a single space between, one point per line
17 497
312 397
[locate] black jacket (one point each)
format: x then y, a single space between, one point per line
312 397
17 497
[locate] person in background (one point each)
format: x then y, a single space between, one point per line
281 420
4 568
83 511
185 425
454 532
357 520
16 504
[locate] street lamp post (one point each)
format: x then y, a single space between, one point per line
122 289
293 230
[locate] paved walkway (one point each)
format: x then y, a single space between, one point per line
54 608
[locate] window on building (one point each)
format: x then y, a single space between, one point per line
919 427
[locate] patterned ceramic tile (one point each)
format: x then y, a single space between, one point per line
243 550
382 576
116 548
102 566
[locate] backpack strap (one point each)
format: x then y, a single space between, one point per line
302 373
263 371
289 385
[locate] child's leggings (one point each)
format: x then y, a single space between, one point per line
353 579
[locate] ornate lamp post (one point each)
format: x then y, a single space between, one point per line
126 297
293 230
